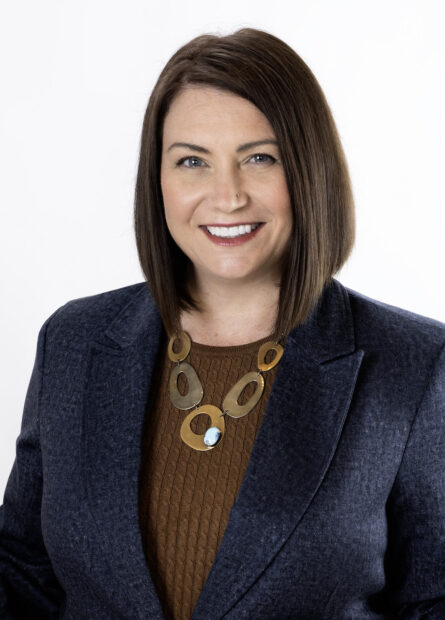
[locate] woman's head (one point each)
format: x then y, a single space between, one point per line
267 74
224 190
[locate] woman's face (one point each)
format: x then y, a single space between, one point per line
200 179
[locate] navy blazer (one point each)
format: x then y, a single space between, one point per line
341 513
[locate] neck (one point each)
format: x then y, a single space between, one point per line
232 313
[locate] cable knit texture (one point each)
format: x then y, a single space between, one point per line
186 495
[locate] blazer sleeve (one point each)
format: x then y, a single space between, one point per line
416 511
28 585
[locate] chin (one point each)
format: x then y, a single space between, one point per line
233 275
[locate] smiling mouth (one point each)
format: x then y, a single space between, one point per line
231 232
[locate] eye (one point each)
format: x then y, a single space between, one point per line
191 158
264 155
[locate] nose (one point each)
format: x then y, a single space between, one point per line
227 190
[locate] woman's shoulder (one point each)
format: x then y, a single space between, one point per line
83 317
381 325
103 301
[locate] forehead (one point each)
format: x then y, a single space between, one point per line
207 109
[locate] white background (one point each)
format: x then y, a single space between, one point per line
75 80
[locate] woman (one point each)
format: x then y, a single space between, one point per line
243 437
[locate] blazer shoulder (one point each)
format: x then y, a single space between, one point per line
81 318
382 325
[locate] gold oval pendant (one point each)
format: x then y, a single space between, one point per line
185 347
262 352
197 441
230 403
195 392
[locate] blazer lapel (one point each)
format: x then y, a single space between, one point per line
297 439
118 383
304 417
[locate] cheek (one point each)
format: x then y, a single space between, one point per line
174 224
177 213
173 204
178 218
178 202
278 201
284 218
283 199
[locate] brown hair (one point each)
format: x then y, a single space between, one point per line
260 67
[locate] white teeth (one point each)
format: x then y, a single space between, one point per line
232 231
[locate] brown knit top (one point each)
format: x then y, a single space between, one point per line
185 495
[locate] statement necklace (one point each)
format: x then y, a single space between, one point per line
195 393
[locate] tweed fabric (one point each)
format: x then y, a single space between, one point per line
341 511
185 495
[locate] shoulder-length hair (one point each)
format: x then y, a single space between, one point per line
260 67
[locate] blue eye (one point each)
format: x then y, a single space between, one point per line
192 158
183 159
264 155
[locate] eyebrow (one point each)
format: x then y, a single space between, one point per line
241 147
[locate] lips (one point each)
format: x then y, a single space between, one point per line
231 231
240 234
231 224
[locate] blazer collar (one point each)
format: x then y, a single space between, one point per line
137 319
296 442
327 333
